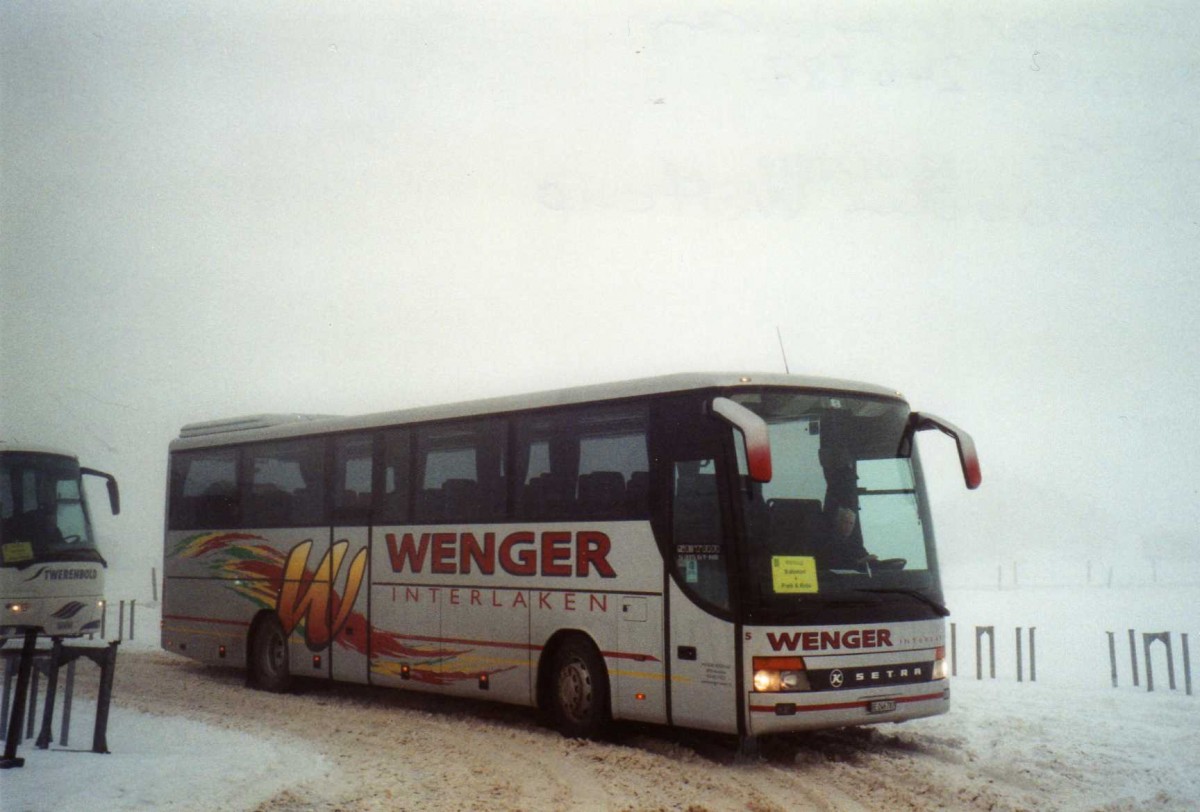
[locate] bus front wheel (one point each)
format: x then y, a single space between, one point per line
269 668
579 690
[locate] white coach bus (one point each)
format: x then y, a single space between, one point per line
746 554
51 573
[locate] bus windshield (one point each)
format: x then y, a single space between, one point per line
42 512
844 519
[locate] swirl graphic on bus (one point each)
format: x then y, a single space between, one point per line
308 595
307 599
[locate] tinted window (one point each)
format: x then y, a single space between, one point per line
690 517
461 472
353 476
286 484
394 489
588 462
204 491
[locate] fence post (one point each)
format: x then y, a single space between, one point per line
9 669
13 733
1133 657
44 735
121 622
33 700
154 583
1112 656
980 631
1187 666
103 619
953 649
1170 661
1147 639
1032 655
132 607
108 665
1019 660
65 731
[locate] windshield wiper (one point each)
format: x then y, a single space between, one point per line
912 593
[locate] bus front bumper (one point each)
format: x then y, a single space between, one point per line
778 712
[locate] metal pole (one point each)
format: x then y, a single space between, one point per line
1019 677
103 619
121 622
45 735
10 668
954 649
1187 666
132 607
104 699
1133 657
65 733
1112 656
1032 655
980 631
14 725
1170 661
1146 638
33 700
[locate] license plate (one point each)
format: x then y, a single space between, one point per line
882 706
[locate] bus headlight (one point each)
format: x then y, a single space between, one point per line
780 674
939 663
17 608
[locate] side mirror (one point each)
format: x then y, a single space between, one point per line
754 434
967 455
114 495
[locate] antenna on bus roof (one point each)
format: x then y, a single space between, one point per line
782 350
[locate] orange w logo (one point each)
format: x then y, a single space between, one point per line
312 598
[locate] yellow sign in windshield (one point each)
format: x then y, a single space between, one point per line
17 551
793 573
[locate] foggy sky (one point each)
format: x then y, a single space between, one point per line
217 209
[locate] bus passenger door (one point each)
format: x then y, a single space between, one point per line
702 641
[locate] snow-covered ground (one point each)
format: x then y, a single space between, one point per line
185 737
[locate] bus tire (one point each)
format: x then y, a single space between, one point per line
269 664
579 690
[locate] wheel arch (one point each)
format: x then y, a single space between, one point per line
546 663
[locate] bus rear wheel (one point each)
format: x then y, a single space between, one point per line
579 690
269 668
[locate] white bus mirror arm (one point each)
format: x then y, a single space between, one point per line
754 434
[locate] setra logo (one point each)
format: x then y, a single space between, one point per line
312 599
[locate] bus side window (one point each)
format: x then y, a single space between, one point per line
353 468
700 550
204 492
393 505
286 485
686 509
586 463
461 475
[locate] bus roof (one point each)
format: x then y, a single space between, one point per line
251 428
19 447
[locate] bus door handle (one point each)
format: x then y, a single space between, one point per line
686 652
